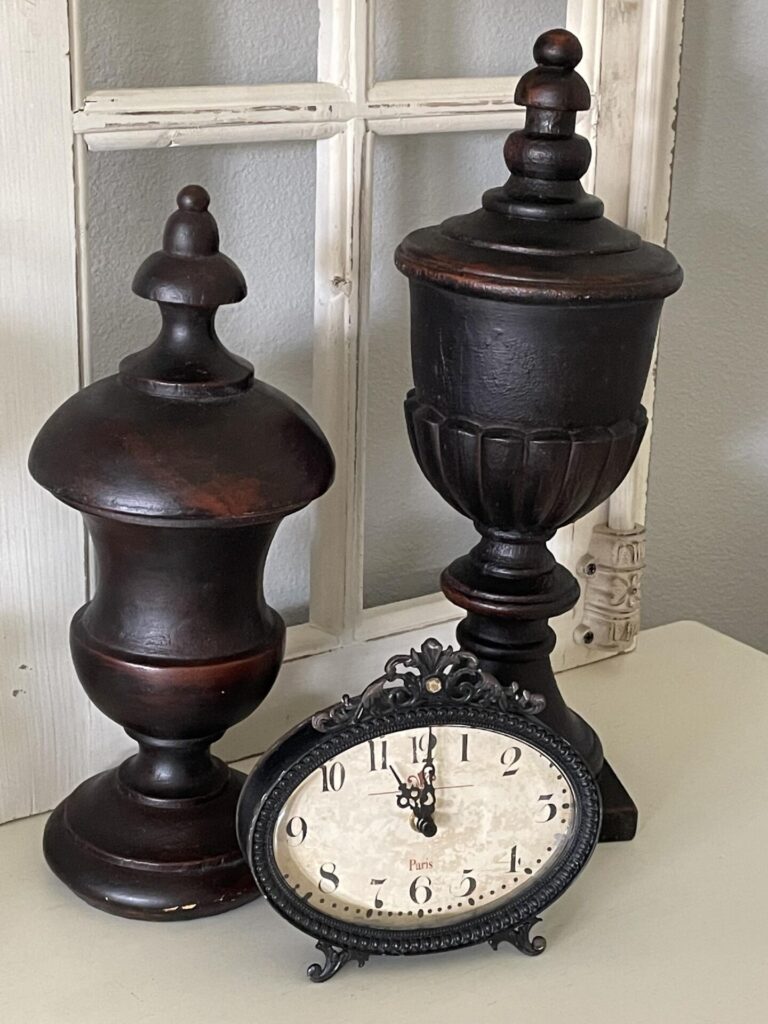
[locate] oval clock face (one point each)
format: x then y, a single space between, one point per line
346 842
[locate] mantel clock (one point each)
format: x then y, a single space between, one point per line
431 811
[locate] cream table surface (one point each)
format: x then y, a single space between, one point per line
670 929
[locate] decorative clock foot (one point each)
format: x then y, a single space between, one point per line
519 936
335 958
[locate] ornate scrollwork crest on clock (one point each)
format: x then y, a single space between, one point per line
433 675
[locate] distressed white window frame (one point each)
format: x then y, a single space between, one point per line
631 62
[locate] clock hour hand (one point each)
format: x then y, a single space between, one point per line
407 794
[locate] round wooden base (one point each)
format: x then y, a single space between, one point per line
156 860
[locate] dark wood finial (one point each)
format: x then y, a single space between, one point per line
183 465
191 233
189 278
533 322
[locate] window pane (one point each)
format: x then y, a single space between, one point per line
456 39
263 198
411 534
143 43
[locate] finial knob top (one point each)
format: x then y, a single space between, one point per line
553 84
190 279
558 48
193 198
189 270
547 158
191 231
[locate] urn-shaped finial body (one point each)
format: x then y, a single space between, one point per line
533 325
183 465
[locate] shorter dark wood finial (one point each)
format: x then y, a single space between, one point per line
183 465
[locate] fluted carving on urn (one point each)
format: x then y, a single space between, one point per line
517 477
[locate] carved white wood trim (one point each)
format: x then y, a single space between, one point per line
612 572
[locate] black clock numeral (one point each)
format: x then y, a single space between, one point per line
509 759
296 829
465 746
333 777
377 900
422 745
467 885
513 860
329 880
420 891
378 760
551 809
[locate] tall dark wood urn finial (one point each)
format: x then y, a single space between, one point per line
532 331
183 466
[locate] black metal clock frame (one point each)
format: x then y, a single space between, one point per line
432 687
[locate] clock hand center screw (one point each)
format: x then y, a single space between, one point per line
426 826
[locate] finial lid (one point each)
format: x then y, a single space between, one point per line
546 158
184 435
191 233
540 238
190 279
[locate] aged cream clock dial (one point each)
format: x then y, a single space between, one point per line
347 840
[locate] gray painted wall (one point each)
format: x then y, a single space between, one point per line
708 498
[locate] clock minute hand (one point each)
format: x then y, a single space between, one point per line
427 802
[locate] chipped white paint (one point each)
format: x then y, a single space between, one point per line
167 138
204 106
650 183
50 736
44 715
638 89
